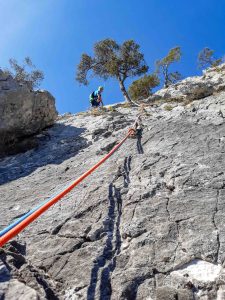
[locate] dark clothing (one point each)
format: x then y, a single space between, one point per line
95 103
94 97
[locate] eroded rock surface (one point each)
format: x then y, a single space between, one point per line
195 87
23 114
148 224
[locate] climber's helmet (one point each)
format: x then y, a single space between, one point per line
100 88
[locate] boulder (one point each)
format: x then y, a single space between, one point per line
23 114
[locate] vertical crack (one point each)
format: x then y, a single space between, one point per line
133 213
214 223
105 263
126 170
167 209
178 241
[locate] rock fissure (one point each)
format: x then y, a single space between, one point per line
105 263
50 292
77 246
25 272
179 242
167 208
90 208
216 227
57 229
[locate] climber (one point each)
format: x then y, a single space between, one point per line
96 97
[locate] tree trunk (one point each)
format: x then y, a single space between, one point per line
124 92
166 76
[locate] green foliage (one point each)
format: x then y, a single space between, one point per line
111 109
25 74
142 88
168 107
84 66
173 77
206 59
112 60
163 65
98 111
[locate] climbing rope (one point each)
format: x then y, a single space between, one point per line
17 221
15 228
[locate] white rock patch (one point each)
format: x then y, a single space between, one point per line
199 270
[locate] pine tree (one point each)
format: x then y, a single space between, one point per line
111 60
206 58
163 65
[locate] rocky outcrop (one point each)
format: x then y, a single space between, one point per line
146 225
192 88
23 114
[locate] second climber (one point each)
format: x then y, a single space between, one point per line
96 97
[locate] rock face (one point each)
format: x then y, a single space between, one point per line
196 87
148 224
23 114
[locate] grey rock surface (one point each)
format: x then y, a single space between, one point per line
148 224
23 114
195 87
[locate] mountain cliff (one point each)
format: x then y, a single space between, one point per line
24 113
148 224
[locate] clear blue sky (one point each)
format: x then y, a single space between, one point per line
54 33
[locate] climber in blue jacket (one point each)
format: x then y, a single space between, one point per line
96 97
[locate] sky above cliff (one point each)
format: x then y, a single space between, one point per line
55 33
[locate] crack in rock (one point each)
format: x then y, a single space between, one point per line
214 223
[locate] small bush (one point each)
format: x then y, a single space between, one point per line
142 88
25 74
187 101
168 107
111 109
82 113
98 111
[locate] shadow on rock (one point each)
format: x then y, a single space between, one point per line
55 145
126 171
106 262
139 144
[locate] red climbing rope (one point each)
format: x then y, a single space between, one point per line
23 224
